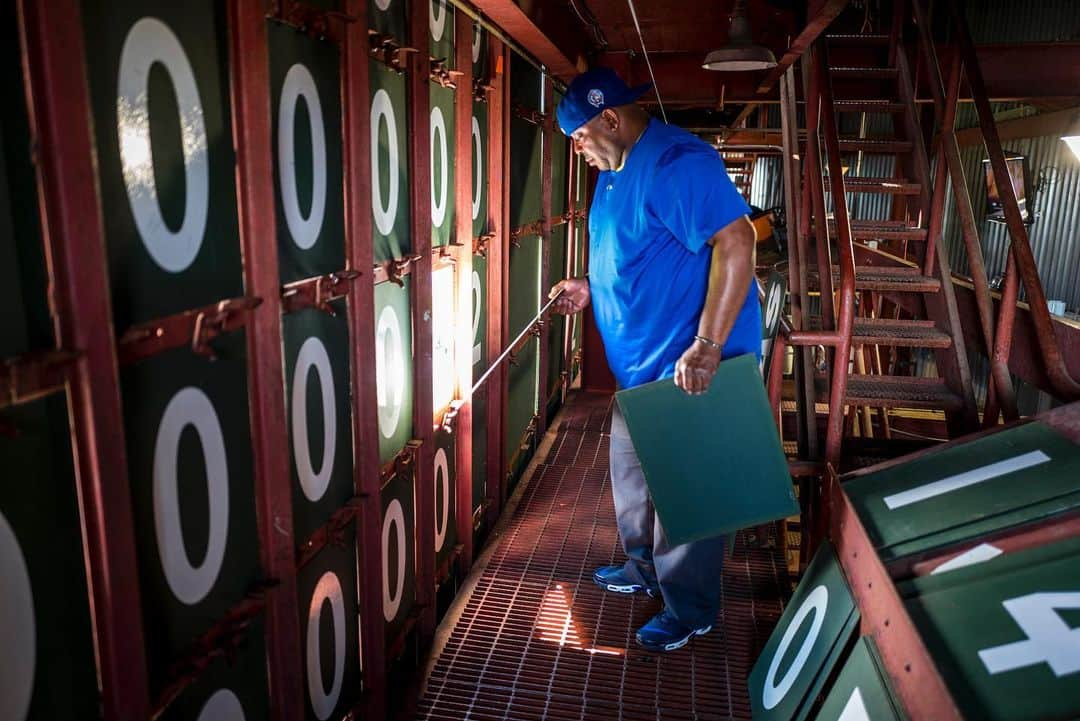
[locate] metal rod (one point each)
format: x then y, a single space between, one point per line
648 63
502 356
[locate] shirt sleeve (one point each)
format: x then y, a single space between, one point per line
693 195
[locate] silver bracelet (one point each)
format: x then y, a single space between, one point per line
708 342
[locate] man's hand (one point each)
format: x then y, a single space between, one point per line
575 295
696 367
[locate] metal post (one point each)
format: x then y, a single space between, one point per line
544 356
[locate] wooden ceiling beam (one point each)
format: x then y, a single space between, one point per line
814 28
547 31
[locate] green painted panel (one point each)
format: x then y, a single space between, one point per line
393 367
399 553
806 644
479 448
329 630
232 687
479 365
481 61
442 165
305 83
524 297
24 314
861 691
47 656
556 323
560 172
390 164
577 271
995 482
192 485
1021 660
318 410
441 30
525 83
445 475
159 95
390 18
480 168
526 181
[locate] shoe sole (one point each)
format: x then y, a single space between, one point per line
632 588
674 645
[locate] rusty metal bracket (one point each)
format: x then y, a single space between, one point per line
318 292
32 375
395 270
537 227
222 640
442 74
445 254
480 244
450 417
212 323
482 88
531 115
400 463
331 533
385 49
317 23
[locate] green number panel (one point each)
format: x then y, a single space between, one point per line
329 630
393 367
560 171
47 656
1005 479
445 476
441 30
163 132
481 61
523 306
479 365
442 165
525 172
556 323
190 465
389 17
525 82
229 688
1021 659
398 553
578 271
305 98
807 643
389 163
24 315
861 690
480 168
318 411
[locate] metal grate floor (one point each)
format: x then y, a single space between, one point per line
536 638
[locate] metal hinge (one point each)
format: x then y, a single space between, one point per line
385 49
318 292
442 74
212 323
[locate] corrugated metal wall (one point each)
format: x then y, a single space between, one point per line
1006 21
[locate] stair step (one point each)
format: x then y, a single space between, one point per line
882 230
906 333
870 145
895 186
882 278
900 392
863 73
868 106
858 39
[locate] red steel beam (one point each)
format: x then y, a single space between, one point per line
419 89
273 486
814 27
544 30
73 234
356 93
463 100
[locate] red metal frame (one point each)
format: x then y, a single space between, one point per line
356 93
73 234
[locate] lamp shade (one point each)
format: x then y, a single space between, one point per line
740 53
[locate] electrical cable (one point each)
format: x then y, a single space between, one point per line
645 52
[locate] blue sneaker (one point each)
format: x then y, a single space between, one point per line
663 632
614 578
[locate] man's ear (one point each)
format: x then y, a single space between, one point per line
611 118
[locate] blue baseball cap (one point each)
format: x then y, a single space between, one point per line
591 92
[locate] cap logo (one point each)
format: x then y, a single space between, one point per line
596 98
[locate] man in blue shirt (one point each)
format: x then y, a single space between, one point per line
670 283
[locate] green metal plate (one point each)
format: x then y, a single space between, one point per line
47 655
442 165
577 271
525 83
479 365
556 324
24 314
160 100
479 448
329 630
480 168
523 305
525 172
393 367
389 163
806 644
390 18
441 30
318 409
861 691
1021 659
560 171
305 82
445 477
231 687
193 491
1012 477
398 553
481 64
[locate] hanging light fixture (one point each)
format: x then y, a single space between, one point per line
740 52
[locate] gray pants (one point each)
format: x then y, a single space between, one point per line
688 575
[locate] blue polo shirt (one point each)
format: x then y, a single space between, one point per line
649 225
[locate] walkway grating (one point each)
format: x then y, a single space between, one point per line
536 639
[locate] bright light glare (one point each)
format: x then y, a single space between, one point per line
443 369
1073 141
